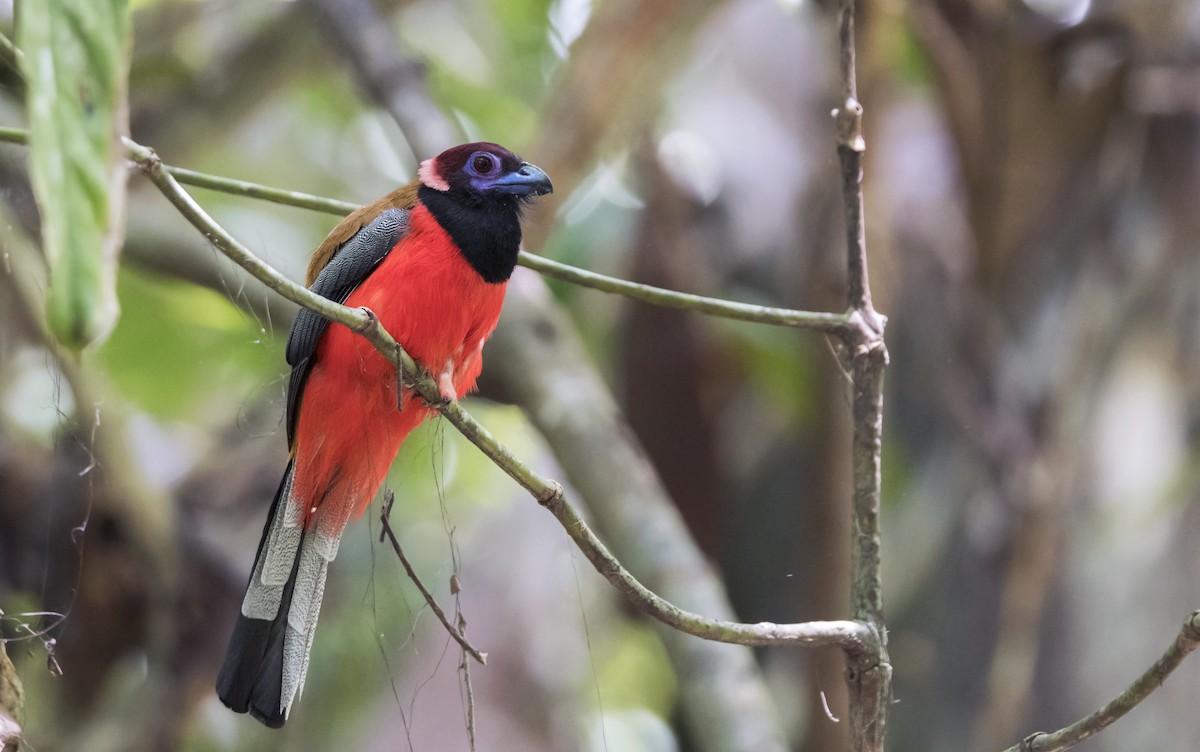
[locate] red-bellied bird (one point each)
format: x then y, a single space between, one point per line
431 260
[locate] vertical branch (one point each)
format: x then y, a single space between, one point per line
850 148
867 672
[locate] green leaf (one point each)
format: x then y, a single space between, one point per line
182 352
76 65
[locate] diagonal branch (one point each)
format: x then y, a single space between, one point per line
1185 642
385 518
255 190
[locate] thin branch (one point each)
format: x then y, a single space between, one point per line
148 162
850 635
10 53
833 323
868 676
385 515
13 58
12 135
219 183
830 323
261 192
1185 642
464 666
850 146
866 348
854 637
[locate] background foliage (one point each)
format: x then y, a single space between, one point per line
1031 190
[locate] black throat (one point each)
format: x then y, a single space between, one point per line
486 228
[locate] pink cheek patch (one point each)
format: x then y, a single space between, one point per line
430 177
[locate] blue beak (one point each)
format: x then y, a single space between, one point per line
528 180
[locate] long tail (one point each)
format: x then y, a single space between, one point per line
267 658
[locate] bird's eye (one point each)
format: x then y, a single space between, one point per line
483 163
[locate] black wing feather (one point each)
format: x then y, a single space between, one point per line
351 264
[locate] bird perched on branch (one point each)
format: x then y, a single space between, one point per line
431 260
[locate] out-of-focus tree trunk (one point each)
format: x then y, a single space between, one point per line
674 376
1018 349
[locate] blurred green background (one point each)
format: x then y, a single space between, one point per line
1032 178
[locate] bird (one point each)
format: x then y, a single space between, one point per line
431 260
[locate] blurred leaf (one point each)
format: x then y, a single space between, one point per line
522 47
780 365
522 23
905 56
184 352
636 671
490 69
76 64
496 114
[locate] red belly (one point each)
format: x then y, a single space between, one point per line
349 430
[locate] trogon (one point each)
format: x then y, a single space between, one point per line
431 260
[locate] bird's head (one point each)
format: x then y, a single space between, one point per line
486 170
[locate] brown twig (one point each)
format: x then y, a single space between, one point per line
1153 678
384 517
465 667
